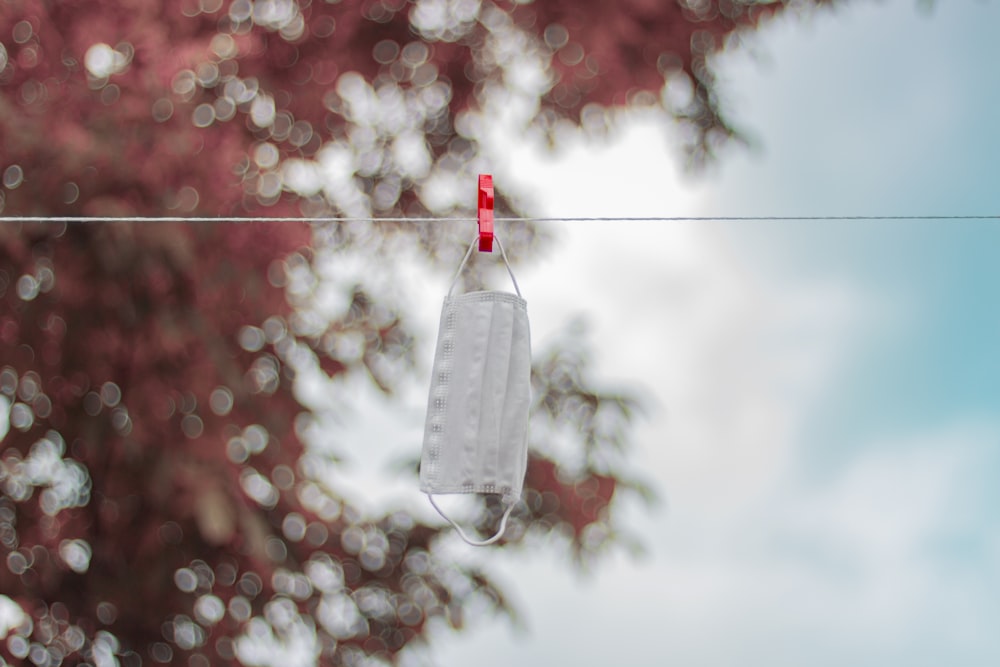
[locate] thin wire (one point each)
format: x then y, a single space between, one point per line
762 218
219 219
320 220
756 218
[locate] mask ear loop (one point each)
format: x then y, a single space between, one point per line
461 533
468 254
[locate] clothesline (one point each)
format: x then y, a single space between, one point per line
324 219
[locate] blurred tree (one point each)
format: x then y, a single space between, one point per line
156 500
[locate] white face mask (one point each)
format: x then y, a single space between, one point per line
475 437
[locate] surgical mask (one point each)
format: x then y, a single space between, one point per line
475 436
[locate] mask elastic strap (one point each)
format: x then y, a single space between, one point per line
461 533
468 253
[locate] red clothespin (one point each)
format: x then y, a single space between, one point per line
485 213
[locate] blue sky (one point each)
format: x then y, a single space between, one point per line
825 426
902 122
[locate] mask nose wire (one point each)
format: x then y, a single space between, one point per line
461 533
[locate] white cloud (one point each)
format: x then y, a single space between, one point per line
733 359
842 571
